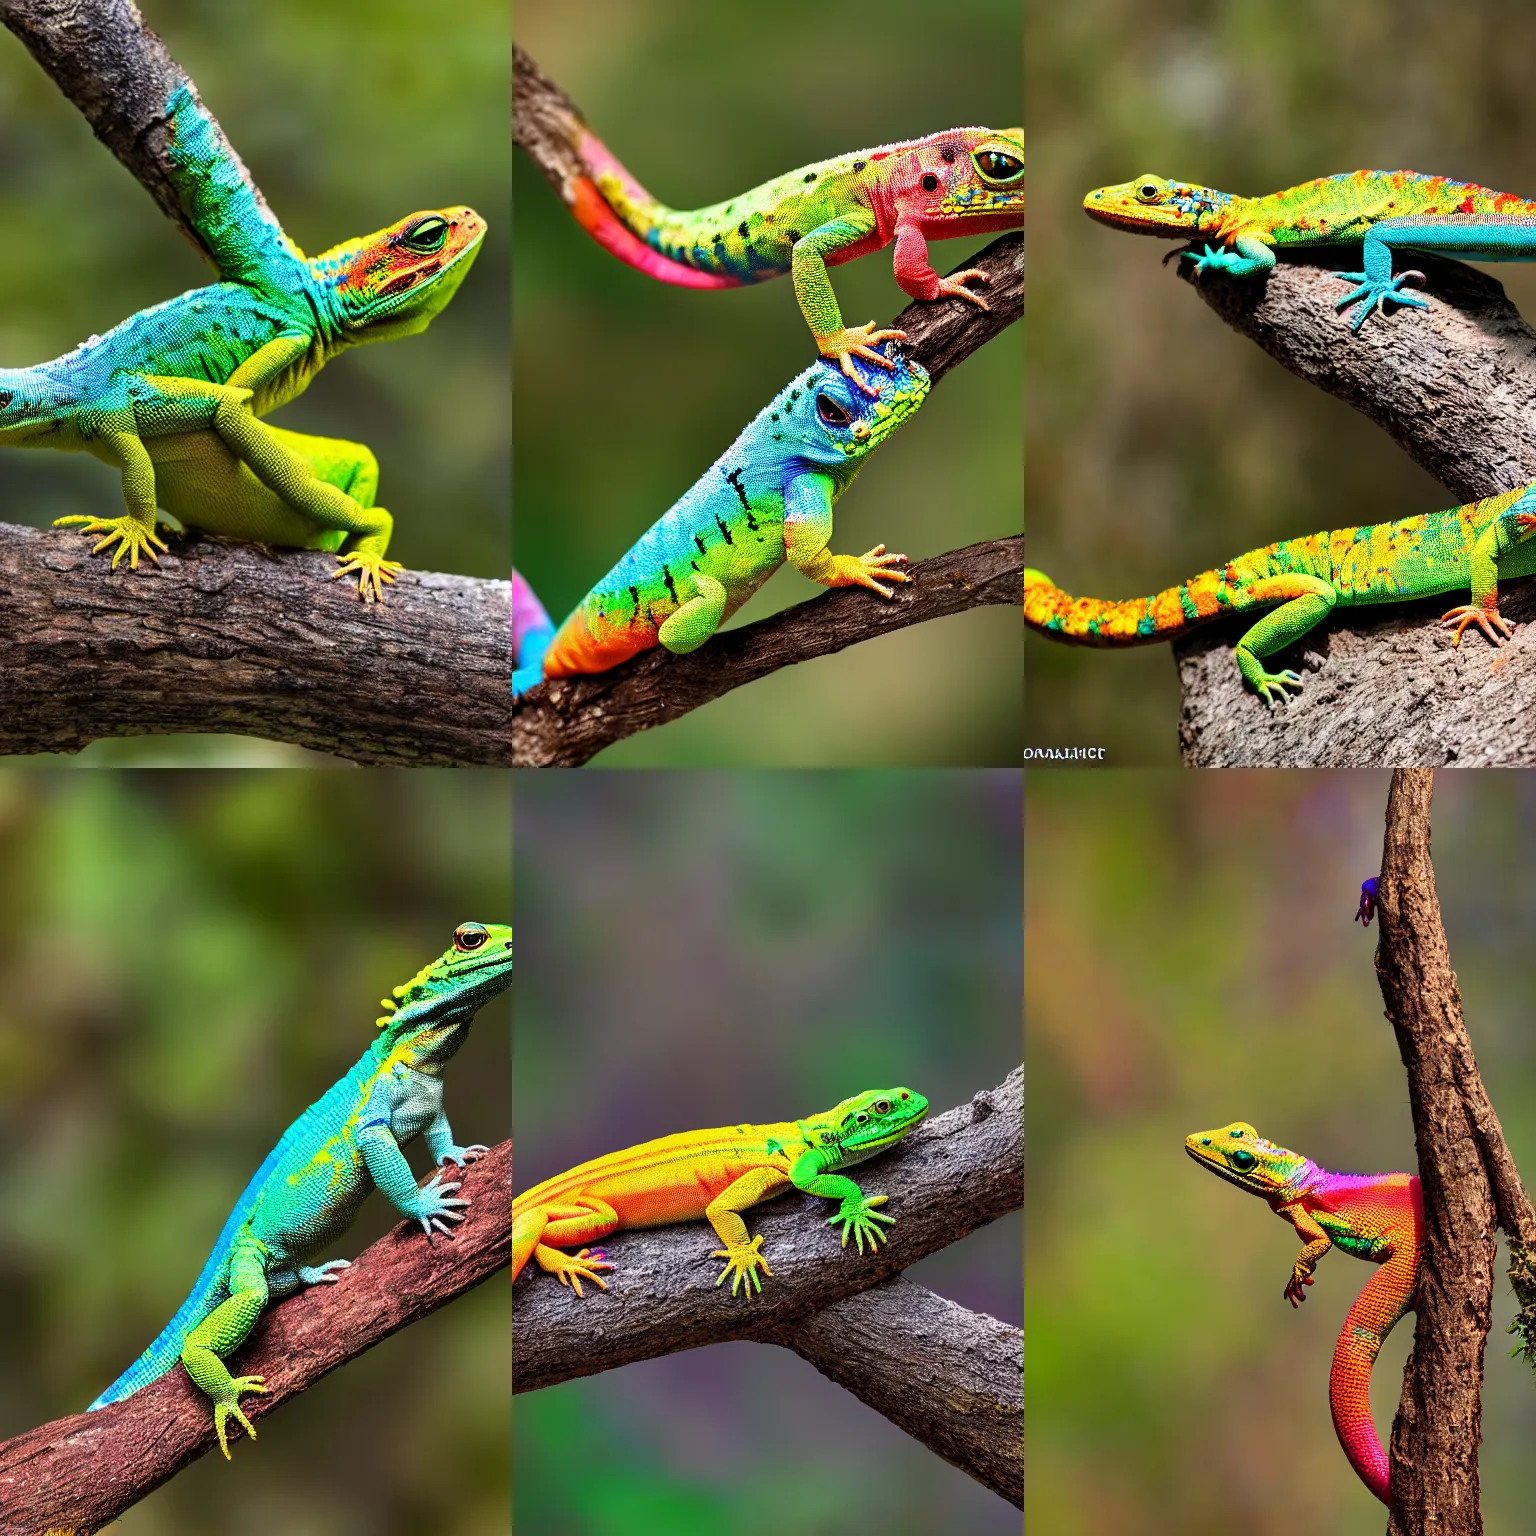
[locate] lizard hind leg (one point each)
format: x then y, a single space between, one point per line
697 619
1305 601
222 1332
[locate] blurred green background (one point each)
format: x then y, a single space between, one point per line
700 948
1192 961
186 962
349 116
1161 442
627 389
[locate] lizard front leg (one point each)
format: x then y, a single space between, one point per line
807 530
444 1149
915 274
1317 1243
857 1211
743 1259
430 1204
837 342
1498 539
115 440
223 1331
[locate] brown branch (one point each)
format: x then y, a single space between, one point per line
117 72
1455 386
564 723
223 636
1469 1180
965 1403
950 1176
81 1472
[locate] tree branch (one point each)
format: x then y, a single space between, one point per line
1455 386
564 723
81 1472
225 636
1469 1181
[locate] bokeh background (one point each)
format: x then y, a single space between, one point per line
1161 442
349 116
187 960
627 388
1192 961
700 948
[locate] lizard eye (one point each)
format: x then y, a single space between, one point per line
1148 191
468 937
426 237
1243 1161
831 412
930 182
994 165
882 1106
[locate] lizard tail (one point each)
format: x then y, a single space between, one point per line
531 633
1387 1296
1136 621
622 217
163 1354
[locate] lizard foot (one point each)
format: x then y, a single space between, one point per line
858 1216
320 1274
574 1268
1492 623
744 1261
229 1408
1371 294
461 1155
860 341
1210 260
862 570
953 287
130 535
433 1206
370 570
1294 1288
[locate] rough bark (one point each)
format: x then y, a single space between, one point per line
79 1473
1455 386
1469 1180
966 1403
223 636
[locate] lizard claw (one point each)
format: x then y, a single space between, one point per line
859 341
954 287
370 570
131 537
1465 614
229 1408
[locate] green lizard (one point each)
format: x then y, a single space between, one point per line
1386 210
1469 546
304 1196
172 396
715 1175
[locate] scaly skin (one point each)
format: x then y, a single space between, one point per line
304 1196
1467 547
1386 210
964 181
714 1175
1378 1217
768 497
172 396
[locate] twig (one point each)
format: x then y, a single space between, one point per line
81 1472
227 636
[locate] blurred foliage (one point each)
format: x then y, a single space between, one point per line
629 388
1192 961
1165 442
349 116
703 948
186 962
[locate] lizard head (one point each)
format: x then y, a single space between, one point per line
1151 206
468 974
870 1122
392 283
833 422
974 173
1240 1155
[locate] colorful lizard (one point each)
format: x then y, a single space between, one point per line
1469 546
1386 210
304 1196
962 181
171 396
716 1175
767 497
1378 1217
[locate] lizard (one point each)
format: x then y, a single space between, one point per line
768 497
958 182
1378 1217
1470 546
714 1175
1386 211
1369 901
306 1192
172 396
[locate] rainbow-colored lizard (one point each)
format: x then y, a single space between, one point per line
172 396
714 1175
768 497
1386 210
963 181
304 1196
1469 546
1378 1217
